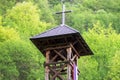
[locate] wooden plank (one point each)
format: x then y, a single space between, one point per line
58 47
46 68
59 76
55 45
52 63
57 37
75 42
74 50
59 71
69 52
55 56
77 68
73 58
81 44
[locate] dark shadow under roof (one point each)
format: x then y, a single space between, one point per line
64 35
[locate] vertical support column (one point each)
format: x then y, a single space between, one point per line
46 68
69 52
77 67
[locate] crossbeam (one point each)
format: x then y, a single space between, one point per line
55 56
58 47
74 50
62 68
50 63
60 54
56 74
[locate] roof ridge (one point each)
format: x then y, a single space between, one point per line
72 28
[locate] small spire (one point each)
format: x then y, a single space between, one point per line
63 12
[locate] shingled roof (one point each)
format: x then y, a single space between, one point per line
57 31
61 35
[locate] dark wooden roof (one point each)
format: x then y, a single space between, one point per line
57 31
61 36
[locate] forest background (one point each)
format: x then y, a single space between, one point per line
98 21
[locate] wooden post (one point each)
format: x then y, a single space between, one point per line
77 67
69 52
46 68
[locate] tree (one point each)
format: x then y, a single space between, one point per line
19 60
8 68
114 66
46 12
24 17
104 43
5 5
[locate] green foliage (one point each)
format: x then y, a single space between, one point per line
46 13
5 5
24 17
87 12
104 43
0 20
18 59
88 68
114 73
55 2
95 19
87 17
101 4
8 33
7 66
8 4
8 69
25 58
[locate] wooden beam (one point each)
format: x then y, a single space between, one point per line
55 56
73 58
46 68
75 42
74 50
59 54
59 71
59 76
69 52
58 47
77 67
81 44
55 45
52 63
56 37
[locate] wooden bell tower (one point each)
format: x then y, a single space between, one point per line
62 46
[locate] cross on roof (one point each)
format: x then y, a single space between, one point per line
63 13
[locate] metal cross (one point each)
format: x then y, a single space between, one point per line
63 13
